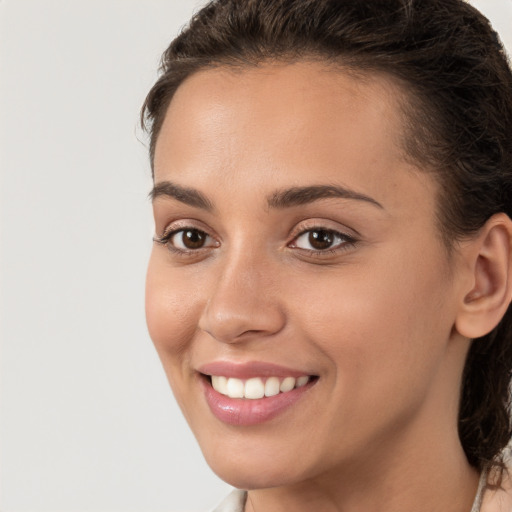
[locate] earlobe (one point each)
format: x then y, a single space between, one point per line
490 263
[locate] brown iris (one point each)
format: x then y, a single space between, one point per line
321 239
193 238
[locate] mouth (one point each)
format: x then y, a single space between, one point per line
239 396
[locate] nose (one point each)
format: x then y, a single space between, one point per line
243 302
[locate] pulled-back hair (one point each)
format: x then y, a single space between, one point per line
458 123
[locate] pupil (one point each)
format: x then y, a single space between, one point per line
321 239
193 239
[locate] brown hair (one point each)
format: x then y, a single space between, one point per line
458 121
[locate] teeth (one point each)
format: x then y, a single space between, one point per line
287 385
256 387
220 384
272 386
235 388
302 381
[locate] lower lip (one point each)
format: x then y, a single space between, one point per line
246 412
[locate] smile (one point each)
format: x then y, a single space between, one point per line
252 393
256 387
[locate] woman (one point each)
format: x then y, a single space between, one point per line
330 282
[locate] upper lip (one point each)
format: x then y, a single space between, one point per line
248 370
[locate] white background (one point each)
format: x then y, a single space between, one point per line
87 420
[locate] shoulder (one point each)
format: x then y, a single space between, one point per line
234 502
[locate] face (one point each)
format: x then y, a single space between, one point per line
298 294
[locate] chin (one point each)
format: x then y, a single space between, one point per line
248 476
254 467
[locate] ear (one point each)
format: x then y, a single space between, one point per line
489 290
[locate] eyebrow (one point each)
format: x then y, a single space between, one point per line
286 198
185 195
297 196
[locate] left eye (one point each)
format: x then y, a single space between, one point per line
320 240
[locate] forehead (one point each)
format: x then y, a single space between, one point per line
277 123
300 97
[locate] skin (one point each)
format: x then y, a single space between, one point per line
375 319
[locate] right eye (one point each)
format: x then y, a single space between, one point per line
186 240
189 239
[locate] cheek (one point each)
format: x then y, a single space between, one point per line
172 309
381 327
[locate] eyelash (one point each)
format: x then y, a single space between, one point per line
347 241
165 239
